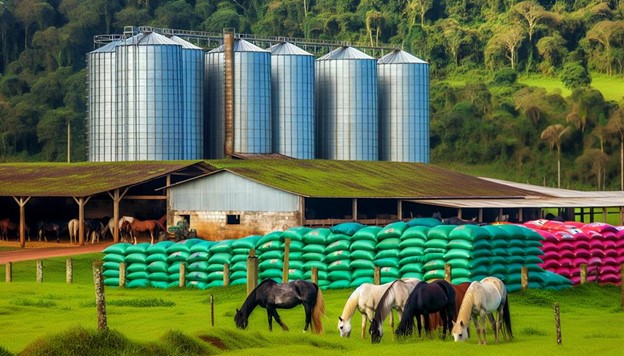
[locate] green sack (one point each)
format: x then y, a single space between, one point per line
197 276
392 272
294 274
460 280
460 244
469 232
393 230
138 283
387 262
156 257
296 233
111 282
337 255
340 265
296 264
111 273
359 281
158 276
135 258
199 266
348 228
196 284
203 246
319 265
388 243
333 237
482 245
440 232
136 267
238 275
416 275
367 245
516 243
436 243
338 245
110 265
515 259
434 264
499 243
458 253
248 242
496 232
141 248
317 236
175 267
271 245
459 262
433 256
313 257
179 256
271 264
220 258
359 273
271 255
412 242
362 255
198 256
295 246
461 273
178 247
362 263
239 266
314 248
238 258
433 274
321 275
215 268
424 222
113 257
159 248
394 253
137 275
367 233
215 276
272 236
270 274
411 267
412 259
339 284
339 275
118 248
215 283
416 232
411 251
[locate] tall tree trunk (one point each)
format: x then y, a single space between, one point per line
621 162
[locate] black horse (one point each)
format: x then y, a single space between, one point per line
454 220
272 295
44 228
425 299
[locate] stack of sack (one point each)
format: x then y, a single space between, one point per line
270 250
295 260
136 266
238 262
362 254
220 255
178 254
412 252
469 252
313 255
435 250
157 265
387 256
114 255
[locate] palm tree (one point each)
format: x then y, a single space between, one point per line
554 135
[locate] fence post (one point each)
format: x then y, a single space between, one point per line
315 275
447 272
9 271
226 274
252 271
182 275
285 267
524 278
211 310
377 275
583 273
39 271
69 271
558 324
100 300
122 274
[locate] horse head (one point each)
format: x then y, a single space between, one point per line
240 320
437 215
376 331
461 330
344 326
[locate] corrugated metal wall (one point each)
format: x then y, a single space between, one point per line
226 191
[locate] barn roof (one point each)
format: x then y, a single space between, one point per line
367 179
82 179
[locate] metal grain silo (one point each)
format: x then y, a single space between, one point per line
403 108
150 97
193 69
292 96
102 133
346 106
251 102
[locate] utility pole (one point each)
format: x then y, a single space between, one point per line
68 142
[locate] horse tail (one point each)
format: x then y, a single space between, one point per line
406 326
507 317
318 312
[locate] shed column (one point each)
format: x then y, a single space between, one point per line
400 209
459 213
169 212
22 223
302 210
480 214
354 209
520 213
81 201
116 196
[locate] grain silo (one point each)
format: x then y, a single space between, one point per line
102 133
403 108
251 101
292 96
150 97
193 72
346 106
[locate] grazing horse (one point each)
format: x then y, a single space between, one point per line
6 226
365 299
435 320
426 298
482 299
272 295
395 297
137 226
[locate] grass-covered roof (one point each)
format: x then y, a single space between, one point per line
80 179
366 179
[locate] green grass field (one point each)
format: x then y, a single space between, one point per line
39 317
610 87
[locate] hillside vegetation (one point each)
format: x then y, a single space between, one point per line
566 106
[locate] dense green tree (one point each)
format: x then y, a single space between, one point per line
574 75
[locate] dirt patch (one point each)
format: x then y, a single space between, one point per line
35 250
214 341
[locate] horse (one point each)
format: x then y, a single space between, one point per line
43 228
365 299
111 224
6 226
395 297
426 298
454 220
272 295
482 299
94 228
72 227
435 320
137 226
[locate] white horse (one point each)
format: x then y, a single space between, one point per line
394 297
111 225
365 299
73 227
482 299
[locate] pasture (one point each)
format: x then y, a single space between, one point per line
591 320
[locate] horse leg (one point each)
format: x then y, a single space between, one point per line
364 317
308 316
270 316
278 319
495 326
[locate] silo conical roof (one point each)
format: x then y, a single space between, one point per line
149 38
287 49
240 45
345 52
184 43
109 47
399 57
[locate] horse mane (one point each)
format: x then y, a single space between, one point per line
465 311
351 304
386 302
251 301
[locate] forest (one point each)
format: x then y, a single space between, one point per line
481 114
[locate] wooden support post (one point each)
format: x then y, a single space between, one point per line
22 223
252 271
354 209
39 271
212 310
315 275
480 214
182 275
583 273
122 274
520 215
116 196
69 271
81 201
524 278
9 272
285 267
558 323
447 272
459 213
226 275
377 275
400 209
100 299
604 215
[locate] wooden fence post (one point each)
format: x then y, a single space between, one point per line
524 278
211 310
315 275
9 271
122 274
182 275
447 272
100 299
39 271
252 271
286 259
558 324
377 275
226 274
583 273
69 271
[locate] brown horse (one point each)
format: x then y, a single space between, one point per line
460 290
6 226
137 226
